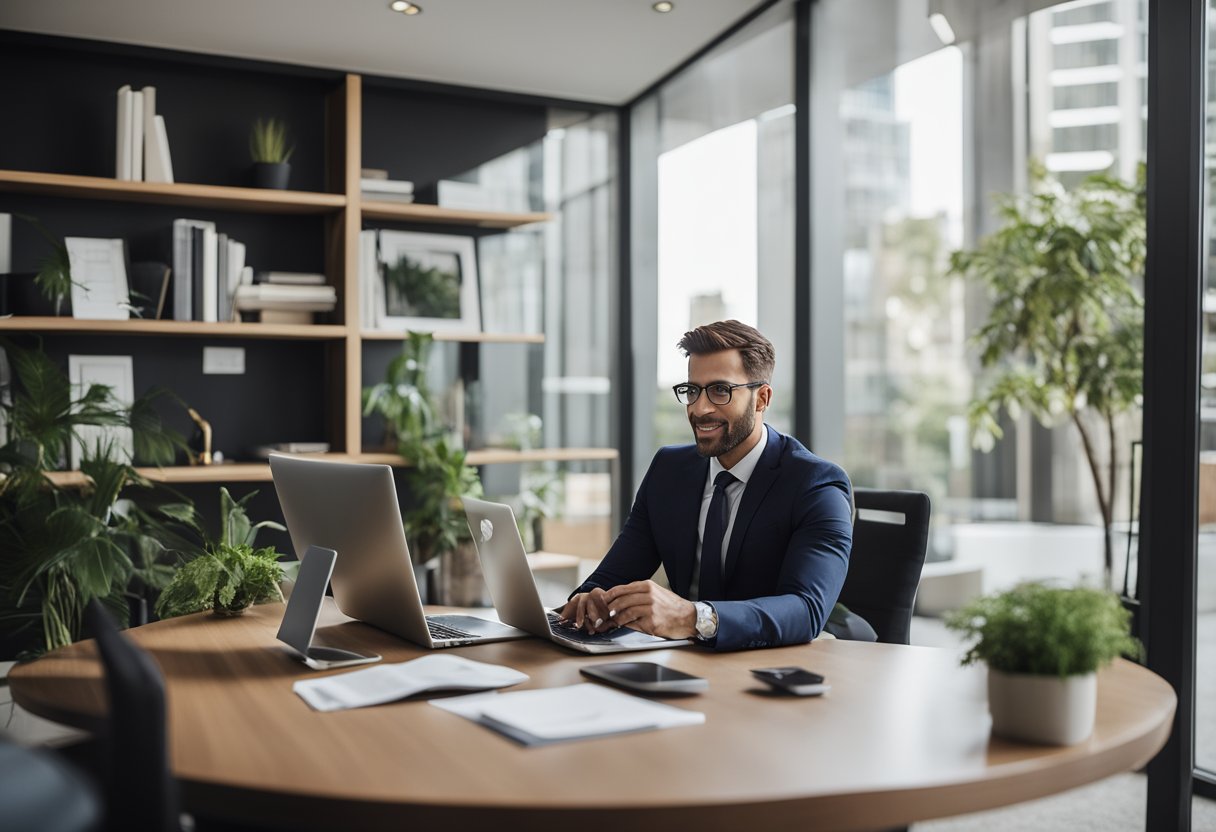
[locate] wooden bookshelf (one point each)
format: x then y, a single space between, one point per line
260 471
414 212
253 200
464 337
194 329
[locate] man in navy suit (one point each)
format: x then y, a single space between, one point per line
753 530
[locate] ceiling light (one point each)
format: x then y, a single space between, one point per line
404 7
663 7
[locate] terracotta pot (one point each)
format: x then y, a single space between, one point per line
1042 709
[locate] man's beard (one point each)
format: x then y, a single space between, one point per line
730 438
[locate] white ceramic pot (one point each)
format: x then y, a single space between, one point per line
1042 709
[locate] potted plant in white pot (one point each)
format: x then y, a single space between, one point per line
1043 647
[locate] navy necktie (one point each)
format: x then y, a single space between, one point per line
710 585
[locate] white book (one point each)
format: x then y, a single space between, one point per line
210 275
147 129
137 136
6 243
99 279
367 279
387 186
122 153
303 294
292 278
231 278
164 161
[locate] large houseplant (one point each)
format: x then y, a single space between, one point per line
63 547
438 476
1065 332
1043 647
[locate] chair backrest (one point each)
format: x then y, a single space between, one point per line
889 540
140 791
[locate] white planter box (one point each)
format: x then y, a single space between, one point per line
1042 709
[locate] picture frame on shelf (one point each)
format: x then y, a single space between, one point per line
427 282
117 373
99 278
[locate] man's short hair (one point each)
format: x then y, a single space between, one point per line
756 350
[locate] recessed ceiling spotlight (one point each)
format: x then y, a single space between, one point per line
404 7
663 6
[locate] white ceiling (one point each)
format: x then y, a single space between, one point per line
604 51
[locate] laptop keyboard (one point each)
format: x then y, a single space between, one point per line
442 632
568 630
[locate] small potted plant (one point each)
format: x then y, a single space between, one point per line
1043 647
270 151
228 574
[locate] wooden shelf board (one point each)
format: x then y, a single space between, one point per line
255 200
197 329
499 456
260 471
415 212
464 337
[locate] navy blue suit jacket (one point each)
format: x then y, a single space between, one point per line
788 551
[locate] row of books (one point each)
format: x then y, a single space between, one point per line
208 266
285 297
142 143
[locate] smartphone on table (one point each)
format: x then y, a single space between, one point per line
646 677
796 680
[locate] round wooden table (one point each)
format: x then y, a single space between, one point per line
902 736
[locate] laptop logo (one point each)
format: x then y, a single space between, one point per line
487 529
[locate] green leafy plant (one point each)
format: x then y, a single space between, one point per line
64 547
1046 631
418 291
268 142
438 478
403 399
1065 333
225 574
54 278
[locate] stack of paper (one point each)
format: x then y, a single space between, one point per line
389 682
539 717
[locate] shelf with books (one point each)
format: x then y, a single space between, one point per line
507 456
415 212
251 200
463 337
193 329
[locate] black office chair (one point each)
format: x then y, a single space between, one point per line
890 536
140 792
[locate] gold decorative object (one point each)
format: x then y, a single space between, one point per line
200 443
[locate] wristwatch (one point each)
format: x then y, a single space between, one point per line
707 621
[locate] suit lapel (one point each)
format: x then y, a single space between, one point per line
758 485
686 514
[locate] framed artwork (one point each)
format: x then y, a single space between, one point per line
99 278
115 372
427 282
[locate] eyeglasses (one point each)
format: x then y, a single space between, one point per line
719 392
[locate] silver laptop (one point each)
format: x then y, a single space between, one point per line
513 588
352 508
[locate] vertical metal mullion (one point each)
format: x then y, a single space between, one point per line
625 375
803 356
1173 293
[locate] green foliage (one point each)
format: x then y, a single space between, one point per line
437 480
1065 334
403 399
44 417
63 548
268 141
225 577
54 276
418 291
1047 631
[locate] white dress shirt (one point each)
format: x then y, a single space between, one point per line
734 495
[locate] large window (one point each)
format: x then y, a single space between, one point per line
713 218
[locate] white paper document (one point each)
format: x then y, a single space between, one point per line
99 279
539 717
390 682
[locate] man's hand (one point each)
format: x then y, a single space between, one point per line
588 611
649 608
